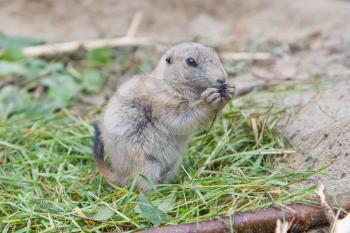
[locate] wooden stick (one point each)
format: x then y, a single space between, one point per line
73 46
247 88
282 227
237 56
128 40
326 207
304 217
135 23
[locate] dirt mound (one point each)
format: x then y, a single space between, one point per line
321 131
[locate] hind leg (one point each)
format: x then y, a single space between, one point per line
171 175
151 170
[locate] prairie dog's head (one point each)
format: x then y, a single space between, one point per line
191 64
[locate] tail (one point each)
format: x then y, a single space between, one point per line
98 150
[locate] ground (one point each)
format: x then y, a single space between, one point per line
309 40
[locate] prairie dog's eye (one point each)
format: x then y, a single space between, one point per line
191 62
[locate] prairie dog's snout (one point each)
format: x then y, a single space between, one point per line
220 81
218 75
148 122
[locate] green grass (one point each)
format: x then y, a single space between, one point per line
48 182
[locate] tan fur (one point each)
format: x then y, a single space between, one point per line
148 122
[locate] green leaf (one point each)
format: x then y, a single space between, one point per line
165 205
104 213
62 88
17 42
150 212
12 99
38 109
92 80
35 68
16 100
11 68
101 55
11 54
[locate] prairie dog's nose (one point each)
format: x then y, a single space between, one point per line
220 81
221 78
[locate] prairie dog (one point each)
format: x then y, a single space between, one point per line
147 124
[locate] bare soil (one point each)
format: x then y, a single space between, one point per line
256 20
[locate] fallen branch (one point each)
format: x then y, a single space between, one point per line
303 217
135 23
74 46
327 209
128 40
336 225
70 47
238 56
246 89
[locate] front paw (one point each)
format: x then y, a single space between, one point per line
218 96
214 97
227 91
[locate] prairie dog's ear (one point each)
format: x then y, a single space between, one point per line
215 49
168 59
168 56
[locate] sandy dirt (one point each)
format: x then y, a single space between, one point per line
256 20
321 130
318 118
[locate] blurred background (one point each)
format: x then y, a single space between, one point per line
175 19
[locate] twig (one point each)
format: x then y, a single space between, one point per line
128 40
237 56
74 46
305 217
267 83
326 207
135 23
336 225
282 227
246 89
